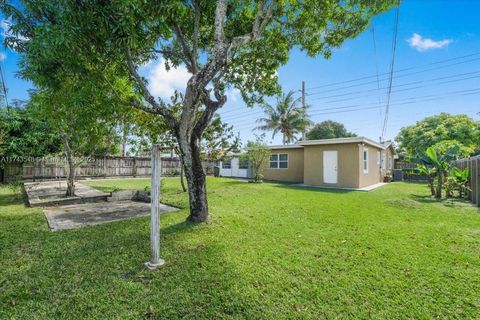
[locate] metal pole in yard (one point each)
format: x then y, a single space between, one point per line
304 110
155 210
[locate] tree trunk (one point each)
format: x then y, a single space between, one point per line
438 194
431 184
196 178
71 168
182 170
182 176
124 145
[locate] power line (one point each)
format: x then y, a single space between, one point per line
407 84
397 71
369 106
395 77
237 111
392 65
428 81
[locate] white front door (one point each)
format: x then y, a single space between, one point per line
330 174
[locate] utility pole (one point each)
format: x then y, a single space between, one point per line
304 110
155 210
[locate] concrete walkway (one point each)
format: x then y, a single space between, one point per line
88 214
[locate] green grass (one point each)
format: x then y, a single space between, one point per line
269 252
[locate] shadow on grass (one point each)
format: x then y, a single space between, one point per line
311 188
18 197
448 202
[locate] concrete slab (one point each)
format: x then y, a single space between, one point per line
88 214
50 193
367 188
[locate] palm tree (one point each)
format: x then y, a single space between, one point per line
286 117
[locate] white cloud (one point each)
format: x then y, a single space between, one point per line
3 56
163 83
5 26
423 44
233 94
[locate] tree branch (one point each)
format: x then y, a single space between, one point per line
189 61
156 107
220 17
196 35
262 18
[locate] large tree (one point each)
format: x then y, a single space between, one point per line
222 43
83 117
431 131
329 129
286 117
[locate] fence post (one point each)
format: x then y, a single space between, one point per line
134 167
477 182
155 210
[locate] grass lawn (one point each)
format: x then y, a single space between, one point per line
269 252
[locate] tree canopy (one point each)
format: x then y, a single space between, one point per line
223 44
22 134
329 129
435 130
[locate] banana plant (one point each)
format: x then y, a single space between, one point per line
462 177
430 173
440 162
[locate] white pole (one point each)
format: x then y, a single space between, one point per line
304 111
155 210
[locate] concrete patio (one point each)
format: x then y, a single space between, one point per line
88 214
51 193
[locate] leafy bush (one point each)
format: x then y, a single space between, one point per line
457 182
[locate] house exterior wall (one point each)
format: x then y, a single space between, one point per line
294 172
373 175
348 165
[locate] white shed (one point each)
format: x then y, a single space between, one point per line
235 166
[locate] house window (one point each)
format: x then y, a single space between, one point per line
243 163
227 164
378 157
365 160
279 161
382 160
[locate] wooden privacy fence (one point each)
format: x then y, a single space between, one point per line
56 168
408 169
473 165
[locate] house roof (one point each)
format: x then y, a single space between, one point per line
341 141
286 146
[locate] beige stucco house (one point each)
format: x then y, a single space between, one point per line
354 163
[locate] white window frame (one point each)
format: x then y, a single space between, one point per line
378 157
365 160
240 163
278 161
229 161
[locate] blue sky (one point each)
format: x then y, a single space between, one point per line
437 69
